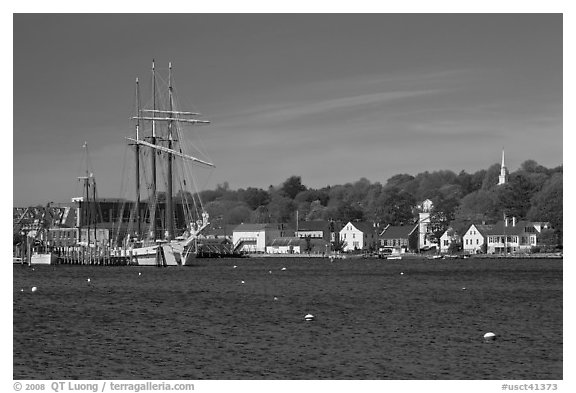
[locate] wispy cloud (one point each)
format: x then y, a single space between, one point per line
342 103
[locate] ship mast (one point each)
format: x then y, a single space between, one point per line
169 214
153 155
137 150
171 117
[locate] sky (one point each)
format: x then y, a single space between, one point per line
328 97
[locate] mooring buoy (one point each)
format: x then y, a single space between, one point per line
309 317
489 336
34 289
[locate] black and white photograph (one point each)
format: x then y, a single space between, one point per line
297 197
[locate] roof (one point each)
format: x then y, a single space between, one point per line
518 229
313 226
362 226
255 227
286 241
484 229
398 232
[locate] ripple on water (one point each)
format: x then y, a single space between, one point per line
371 322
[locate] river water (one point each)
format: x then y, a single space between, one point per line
374 319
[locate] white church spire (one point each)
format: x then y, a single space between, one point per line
503 171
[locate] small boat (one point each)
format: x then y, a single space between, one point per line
394 257
44 258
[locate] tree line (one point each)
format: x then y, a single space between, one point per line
532 192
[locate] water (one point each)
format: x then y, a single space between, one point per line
372 322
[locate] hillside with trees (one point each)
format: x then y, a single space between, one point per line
532 192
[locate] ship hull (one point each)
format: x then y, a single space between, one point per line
43 259
161 255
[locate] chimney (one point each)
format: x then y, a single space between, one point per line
513 221
505 221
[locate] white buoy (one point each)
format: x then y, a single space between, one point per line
234 267
489 336
22 290
34 289
275 298
463 288
242 282
139 273
269 271
283 269
401 273
88 280
309 317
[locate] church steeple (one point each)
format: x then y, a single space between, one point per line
503 172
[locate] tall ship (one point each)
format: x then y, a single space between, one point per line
165 159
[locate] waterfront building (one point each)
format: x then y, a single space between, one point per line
314 230
253 238
424 210
475 238
359 235
511 236
449 237
399 239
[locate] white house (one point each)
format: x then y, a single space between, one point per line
511 236
313 230
359 236
475 238
254 237
285 245
447 239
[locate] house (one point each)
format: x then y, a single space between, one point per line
217 232
511 236
285 245
399 239
314 230
449 237
475 237
359 235
255 237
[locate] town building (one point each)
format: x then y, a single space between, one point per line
359 235
449 237
474 238
424 210
314 230
511 236
253 238
399 239
285 245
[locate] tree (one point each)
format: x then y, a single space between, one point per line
281 208
316 211
398 181
441 216
514 197
547 205
491 177
548 240
394 207
292 186
255 197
